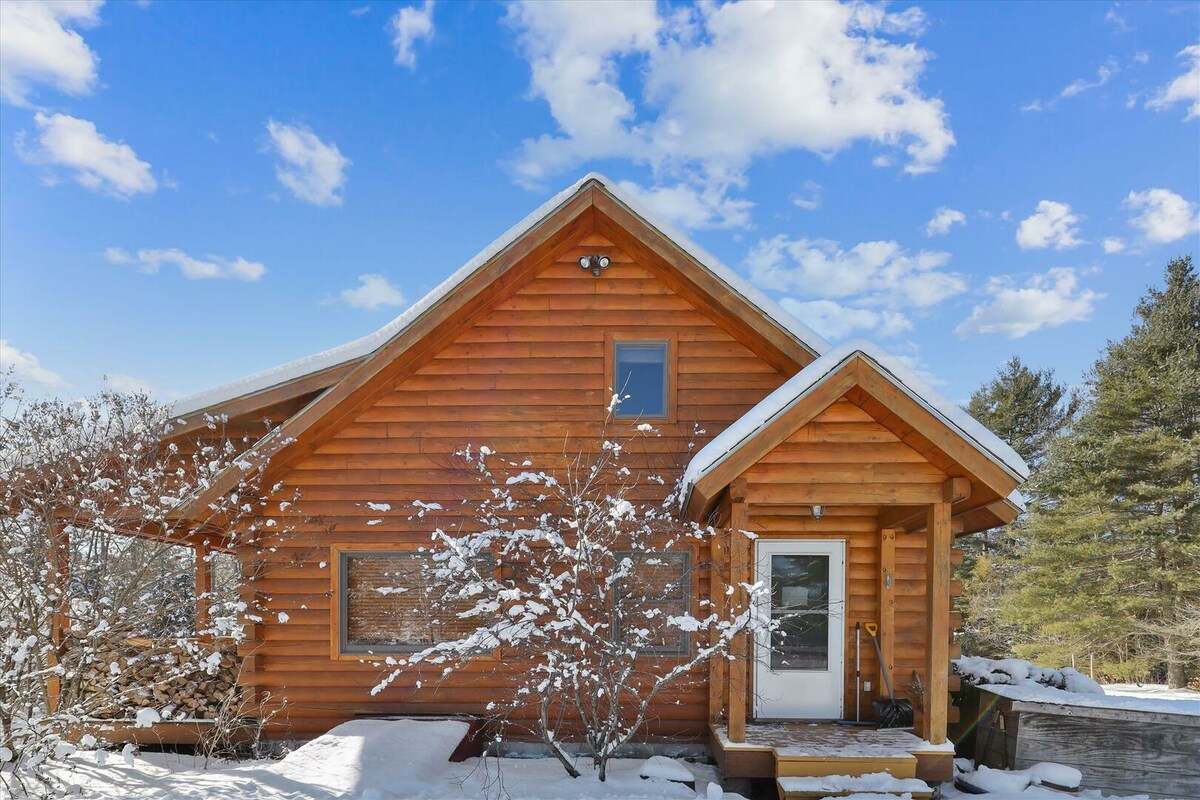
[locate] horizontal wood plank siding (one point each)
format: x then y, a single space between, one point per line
866 458
527 379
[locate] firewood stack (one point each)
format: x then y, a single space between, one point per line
148 674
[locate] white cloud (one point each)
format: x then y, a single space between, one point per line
1032 105
25 366
1051 225
1103 75
358 11
1141 57
1166 217
39 45
1112 244
833 320
99 164
809 196
1184 89
127 384
1045 301
724 85
312 170
1116 20
943 220
149 261
692 206
372 292
410 25
879 273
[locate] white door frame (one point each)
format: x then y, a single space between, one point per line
802 694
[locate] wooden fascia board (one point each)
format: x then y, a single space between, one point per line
947 439
287 442
733 311
749 452
248 404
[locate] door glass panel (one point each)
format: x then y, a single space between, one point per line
800 609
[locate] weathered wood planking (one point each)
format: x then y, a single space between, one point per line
1117 750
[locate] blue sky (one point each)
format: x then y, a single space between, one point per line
192 192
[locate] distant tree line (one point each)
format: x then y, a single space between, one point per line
1105 564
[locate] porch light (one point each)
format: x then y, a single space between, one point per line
594 263
817 511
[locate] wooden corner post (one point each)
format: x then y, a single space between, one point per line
887 607
939 540
204 587
740 556
718 577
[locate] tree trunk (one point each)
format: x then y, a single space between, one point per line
1176 678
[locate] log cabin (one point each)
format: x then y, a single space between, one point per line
828 471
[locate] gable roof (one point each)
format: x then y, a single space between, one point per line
829 372
471 288
329 361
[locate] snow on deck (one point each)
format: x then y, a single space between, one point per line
1036 693
822 740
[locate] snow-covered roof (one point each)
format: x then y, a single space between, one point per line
811 377
364 346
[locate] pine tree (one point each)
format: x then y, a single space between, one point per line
1110 561
1027 409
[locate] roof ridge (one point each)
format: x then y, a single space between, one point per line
363 346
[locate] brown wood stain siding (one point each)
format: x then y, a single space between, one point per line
844 448
528 380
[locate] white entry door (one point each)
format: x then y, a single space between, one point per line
798 667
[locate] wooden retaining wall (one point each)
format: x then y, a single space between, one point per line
1117 750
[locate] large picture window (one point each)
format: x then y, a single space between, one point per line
641 375
658 587
387 605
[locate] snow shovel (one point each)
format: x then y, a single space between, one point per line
890 713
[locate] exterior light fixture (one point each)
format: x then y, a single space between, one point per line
594 263
817 511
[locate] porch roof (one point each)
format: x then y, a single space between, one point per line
748 430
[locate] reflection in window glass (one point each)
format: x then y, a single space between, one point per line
641 378
800 608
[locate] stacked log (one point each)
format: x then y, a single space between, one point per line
180 679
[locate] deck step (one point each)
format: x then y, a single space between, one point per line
876 783
791 764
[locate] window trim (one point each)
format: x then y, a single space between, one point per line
337 601
688 583
670 343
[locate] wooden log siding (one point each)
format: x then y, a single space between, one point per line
528 380
842 449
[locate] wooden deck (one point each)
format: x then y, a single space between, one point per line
784 750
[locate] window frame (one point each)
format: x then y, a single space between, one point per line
339 647
670 345
688 584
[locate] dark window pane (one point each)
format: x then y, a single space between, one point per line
800 608
641 379
657 588
389 605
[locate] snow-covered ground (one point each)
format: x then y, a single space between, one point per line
1153 691
407 760
369 760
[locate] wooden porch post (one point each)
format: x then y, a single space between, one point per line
60 622
739 574
204 587
939 539
887 607
717 583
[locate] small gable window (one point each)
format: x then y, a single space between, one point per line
641 376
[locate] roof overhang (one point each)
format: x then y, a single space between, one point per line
824 381
786 342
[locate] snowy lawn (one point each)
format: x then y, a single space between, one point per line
370 760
